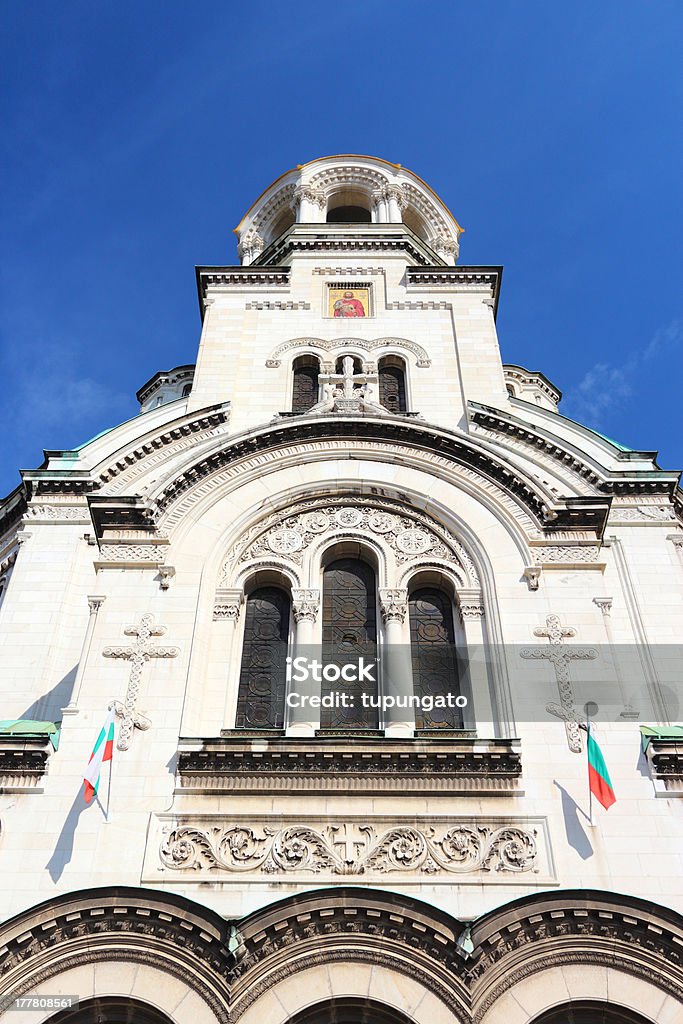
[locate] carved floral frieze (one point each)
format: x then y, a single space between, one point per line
433 849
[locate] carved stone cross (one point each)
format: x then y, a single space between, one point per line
137 654
345 838
561 657
348 391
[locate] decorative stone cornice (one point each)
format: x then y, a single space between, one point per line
320 764
456 277
23 762
644 482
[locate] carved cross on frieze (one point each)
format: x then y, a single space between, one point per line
137 654
561 657
345 837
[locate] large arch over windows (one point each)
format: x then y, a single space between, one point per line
263 668
305 388
349 633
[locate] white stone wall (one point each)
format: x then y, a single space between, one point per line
51 843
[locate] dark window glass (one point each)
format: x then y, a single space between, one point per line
348 215
432 645
261 698
392 388
349 632
305 388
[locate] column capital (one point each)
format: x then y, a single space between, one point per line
95 602
604 604
470 604
227 604
306 604
393 604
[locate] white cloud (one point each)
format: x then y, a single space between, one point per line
606 387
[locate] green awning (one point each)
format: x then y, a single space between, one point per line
28 727
653 732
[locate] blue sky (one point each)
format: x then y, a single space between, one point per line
137 134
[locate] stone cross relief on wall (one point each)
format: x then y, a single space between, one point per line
137 654
561 658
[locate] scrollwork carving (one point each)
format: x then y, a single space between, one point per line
349 849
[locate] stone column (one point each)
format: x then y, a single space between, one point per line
379 199
303 721
226 610
95 602
396 204
476 687
396 677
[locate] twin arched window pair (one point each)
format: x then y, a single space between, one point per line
391 375
349 630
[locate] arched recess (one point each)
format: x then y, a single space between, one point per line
393 393
111 1010
431 617
263 666
349 945
349 633
305 387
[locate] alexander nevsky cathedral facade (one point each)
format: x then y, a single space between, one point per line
349 470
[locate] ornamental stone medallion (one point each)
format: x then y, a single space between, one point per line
200 847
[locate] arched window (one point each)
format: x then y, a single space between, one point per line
589 1012
261 696
392 384
349 215
349 633
305 387
433 655
111 1010
186 390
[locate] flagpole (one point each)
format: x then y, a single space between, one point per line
588 769
589 708
107 818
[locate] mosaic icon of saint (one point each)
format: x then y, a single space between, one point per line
348 306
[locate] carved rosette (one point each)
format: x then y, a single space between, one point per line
350 849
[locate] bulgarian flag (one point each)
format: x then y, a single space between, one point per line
599 781
102 751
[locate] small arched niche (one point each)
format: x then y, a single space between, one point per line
357 363
392 384
305 385
350 206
